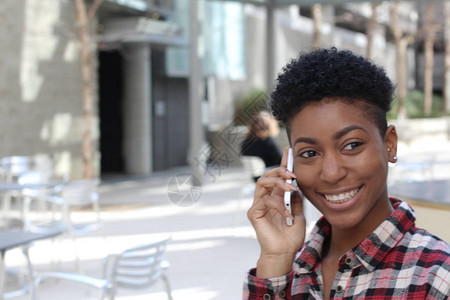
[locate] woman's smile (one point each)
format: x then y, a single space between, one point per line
338 198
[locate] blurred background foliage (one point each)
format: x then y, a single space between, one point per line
415 105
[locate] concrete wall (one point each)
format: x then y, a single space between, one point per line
40 86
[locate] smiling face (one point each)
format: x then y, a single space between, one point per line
341 163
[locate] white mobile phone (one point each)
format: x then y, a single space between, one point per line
287 195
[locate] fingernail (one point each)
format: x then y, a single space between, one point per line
291 187
292 174
287 214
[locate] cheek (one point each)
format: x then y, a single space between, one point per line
373 165
306 176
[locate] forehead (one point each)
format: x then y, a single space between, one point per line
330 115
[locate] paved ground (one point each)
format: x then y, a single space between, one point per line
212 243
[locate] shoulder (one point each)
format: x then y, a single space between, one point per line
428 249
428 257
270 140
426 242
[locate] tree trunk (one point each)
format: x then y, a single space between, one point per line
317 18
87 88
446 102
401 48
370 28
401 44
429 59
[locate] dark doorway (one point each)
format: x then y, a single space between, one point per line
110 111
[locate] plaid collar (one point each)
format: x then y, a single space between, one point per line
371 251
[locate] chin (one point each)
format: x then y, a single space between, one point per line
342 221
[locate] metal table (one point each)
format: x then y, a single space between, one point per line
10 239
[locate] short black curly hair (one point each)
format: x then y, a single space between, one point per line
332 73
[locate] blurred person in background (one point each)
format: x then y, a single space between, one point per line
262 130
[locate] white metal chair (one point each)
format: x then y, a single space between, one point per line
138 267
73 194
79 194
38 199
15 166
39 214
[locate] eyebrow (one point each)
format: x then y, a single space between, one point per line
346 130
336 136
305 140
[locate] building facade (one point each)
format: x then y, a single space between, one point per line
141 61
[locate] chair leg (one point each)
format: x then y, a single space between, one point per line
103 293
76 250
31 273
111 293
6 205
167 285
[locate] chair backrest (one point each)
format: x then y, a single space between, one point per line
40 213
32 177
80 192
253 165
139 267
14 166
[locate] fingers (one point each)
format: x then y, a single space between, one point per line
269 185
281 172
269 194
297 203
270 189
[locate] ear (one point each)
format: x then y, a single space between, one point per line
390 141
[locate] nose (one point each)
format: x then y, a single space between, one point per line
332 169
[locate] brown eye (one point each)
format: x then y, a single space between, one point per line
352 145
308 154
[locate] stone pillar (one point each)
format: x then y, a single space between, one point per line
136 110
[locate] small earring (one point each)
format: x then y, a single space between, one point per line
394 158
388 149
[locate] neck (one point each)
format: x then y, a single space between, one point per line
344 239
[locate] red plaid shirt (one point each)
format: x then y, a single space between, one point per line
397 261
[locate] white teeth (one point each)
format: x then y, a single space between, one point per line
341 198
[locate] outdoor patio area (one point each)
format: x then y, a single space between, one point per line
212 244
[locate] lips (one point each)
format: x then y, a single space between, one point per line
341 197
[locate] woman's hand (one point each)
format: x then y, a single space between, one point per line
278 241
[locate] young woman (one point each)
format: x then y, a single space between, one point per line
366 246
